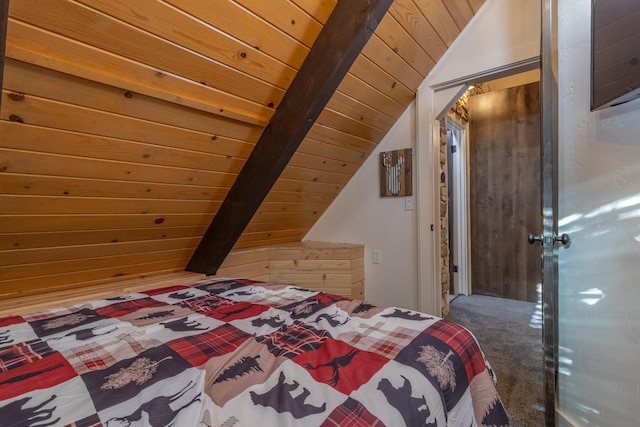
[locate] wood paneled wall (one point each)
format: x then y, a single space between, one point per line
504 192
123 125
335 268
328 267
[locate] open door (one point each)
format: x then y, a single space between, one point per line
549 238
504 191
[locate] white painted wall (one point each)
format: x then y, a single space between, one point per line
502 32
599 207
360 215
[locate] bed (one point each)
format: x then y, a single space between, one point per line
237 352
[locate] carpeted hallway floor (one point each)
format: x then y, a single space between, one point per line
510 334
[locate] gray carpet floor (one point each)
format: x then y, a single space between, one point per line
510 334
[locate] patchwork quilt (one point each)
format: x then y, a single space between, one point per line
233 352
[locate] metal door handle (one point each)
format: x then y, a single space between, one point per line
564 239
534 238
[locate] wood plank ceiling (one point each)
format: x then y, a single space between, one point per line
123 125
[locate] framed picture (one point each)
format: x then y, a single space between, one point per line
615 52
395 173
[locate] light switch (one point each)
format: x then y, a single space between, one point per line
408 203
376 256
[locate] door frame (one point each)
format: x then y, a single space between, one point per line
460 213
549 186
432 104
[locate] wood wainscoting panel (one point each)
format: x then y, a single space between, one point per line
331 267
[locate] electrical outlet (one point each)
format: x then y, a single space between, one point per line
408 203
376 256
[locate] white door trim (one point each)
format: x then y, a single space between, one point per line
461 243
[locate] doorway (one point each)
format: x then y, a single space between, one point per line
494 190
504 192
503 165
457 191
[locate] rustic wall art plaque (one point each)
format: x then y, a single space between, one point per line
395 173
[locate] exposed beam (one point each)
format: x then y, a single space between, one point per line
4 23
346 32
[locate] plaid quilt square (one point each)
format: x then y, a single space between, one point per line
16 333
40 371
246 293
153 315
278 299
64 404
175 401
351 414
237 310
219 286
176 296
65 322
11 320
360 309
99 354
197 349
440 364
123 308
311 305
231 374
23 353
126 378
55 312
380 338
398 395
205 305
293 340
463 343
341 366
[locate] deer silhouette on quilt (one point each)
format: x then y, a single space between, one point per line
158 410
336 363
34 416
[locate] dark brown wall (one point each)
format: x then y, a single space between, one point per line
505 191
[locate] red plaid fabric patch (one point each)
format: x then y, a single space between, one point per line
120 309
197 349
237 310
328 299
351 414
276 300
377 339
23 353
294 340
343 367
8 321
205 305
462 342
36 374
96 356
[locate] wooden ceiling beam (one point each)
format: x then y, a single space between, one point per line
346 32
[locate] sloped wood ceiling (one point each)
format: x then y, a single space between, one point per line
124 123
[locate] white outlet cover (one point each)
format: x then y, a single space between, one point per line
376 256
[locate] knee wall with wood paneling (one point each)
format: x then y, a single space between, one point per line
328 267
331 267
